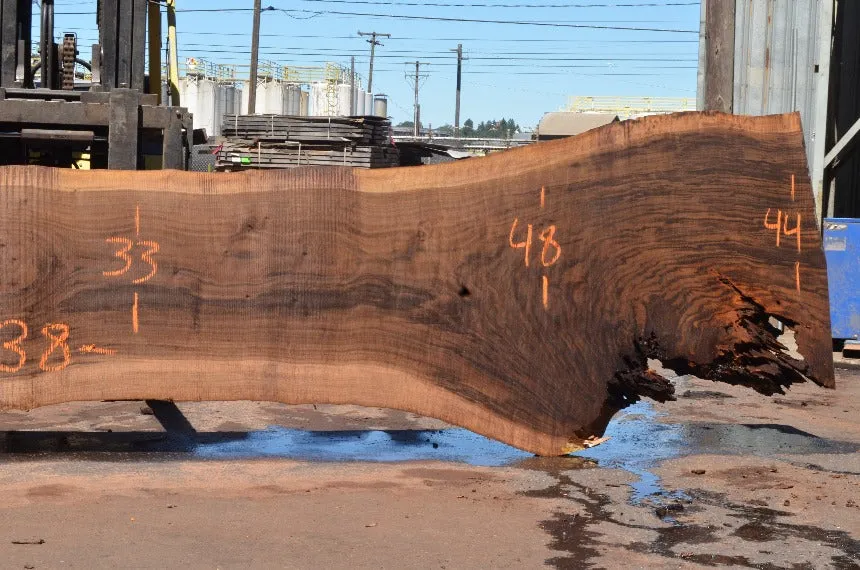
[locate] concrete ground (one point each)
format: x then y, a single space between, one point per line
722 477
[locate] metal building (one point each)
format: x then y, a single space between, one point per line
761 57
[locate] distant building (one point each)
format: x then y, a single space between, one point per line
560 124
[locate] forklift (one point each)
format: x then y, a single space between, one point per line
116 120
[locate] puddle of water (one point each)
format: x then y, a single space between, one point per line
637 444
454 444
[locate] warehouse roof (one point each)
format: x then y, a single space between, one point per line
566 124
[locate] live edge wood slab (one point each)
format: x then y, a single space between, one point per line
518 295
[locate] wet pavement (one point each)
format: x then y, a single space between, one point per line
723 477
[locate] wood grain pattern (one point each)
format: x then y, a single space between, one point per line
518 295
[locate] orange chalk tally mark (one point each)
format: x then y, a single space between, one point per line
542 196
14 345
548 238
93 349
797 275
137 220
795 231
527 244
58 334
792 187
545 291
774 226
134 321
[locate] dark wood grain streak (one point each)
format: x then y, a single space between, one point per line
400 288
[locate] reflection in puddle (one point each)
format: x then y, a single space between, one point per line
453 444
638 443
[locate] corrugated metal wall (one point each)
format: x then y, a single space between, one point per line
776 53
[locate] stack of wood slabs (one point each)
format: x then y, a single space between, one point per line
284 141
358 130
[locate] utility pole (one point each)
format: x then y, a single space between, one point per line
459 51
255 54
352 108
173 56
417 81
373 43
719 55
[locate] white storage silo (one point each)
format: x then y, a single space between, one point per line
368 103
198 96
227 101
291 99
343 91
232 100
304 103
380 106
359 103
188 94
273 98
260 104
220 109
318 100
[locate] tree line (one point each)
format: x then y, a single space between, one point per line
492 129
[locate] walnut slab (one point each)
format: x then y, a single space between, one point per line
518 295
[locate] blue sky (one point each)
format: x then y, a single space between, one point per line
513 70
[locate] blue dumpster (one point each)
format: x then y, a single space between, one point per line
842 250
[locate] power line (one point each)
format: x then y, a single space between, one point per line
508 65
440 39
489 60
500 22
475 54
484 5
433 19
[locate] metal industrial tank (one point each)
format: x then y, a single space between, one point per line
205 116
228 101
304 103
318 100
343 100
188 94
232 100
368 103
259 100
198 96
274 101
380 106
360 110
220 109
294 99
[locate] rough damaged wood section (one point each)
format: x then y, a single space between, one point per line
518 295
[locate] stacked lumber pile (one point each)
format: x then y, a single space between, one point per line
284 141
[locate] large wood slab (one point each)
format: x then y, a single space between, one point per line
518 295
